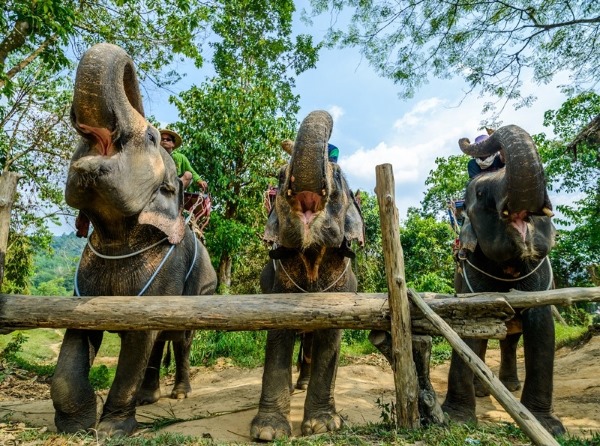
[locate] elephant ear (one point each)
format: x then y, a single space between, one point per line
271 234
164 211
354 225
467 237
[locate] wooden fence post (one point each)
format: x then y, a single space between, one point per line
405 375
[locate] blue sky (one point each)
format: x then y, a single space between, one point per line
373 126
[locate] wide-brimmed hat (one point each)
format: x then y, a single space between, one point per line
481 138
175 136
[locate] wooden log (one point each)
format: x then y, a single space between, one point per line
523 417
303 311
405 375
529 299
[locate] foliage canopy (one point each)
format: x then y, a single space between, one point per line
491 45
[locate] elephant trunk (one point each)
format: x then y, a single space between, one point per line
107 100
308 165
524 181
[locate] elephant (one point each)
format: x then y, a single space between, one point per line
505 240
126 185
311 227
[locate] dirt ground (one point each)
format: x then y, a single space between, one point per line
225 398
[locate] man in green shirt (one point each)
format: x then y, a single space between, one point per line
170 140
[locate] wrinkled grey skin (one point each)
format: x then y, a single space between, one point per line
312 223
507 234
127 185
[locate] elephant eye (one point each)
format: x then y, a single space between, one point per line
151 137
165 187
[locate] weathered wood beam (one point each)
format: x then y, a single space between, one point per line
479 315
405 374
305 311
528 299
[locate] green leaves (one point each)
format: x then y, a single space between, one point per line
489 44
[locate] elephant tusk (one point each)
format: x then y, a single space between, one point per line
323 192
505 213
289 192
547 212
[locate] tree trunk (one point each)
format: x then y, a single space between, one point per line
8 187
224 271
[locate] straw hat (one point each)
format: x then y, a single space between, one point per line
175 136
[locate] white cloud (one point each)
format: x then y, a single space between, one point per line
336 112
421 111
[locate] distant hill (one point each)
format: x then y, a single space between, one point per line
54 272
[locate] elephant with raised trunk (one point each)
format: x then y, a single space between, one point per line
505 241
313 222
126 185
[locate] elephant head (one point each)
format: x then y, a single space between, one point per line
313 221
314 206
119 171
126 184
508 210
505 240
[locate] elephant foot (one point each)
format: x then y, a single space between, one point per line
270 426
460 414
116 428
511 384
323 422
481 389
302 383
83 418
147 396
551 423
181 391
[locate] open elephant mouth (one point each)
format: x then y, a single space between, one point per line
101 137
307 205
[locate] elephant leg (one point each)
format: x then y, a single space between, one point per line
72 394
272 421
149 392
319 408
118 417
538 341
508 362
460 398
304 360
182 387
480 388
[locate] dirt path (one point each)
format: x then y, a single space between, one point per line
224 399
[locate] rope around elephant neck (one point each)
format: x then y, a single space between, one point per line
302 289
76 281
508 280
124 256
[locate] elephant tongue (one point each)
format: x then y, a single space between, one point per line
308 204
519 224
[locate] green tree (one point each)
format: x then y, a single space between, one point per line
39 42
446 182
488 44
576 259
369 264
427 246
234 122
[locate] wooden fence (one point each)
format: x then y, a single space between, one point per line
402 312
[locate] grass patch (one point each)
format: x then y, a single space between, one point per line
502 434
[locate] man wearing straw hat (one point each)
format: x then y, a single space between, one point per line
170 141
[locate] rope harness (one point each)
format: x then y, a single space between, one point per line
302 289
125 256
501 279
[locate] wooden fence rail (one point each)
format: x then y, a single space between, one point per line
471 315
